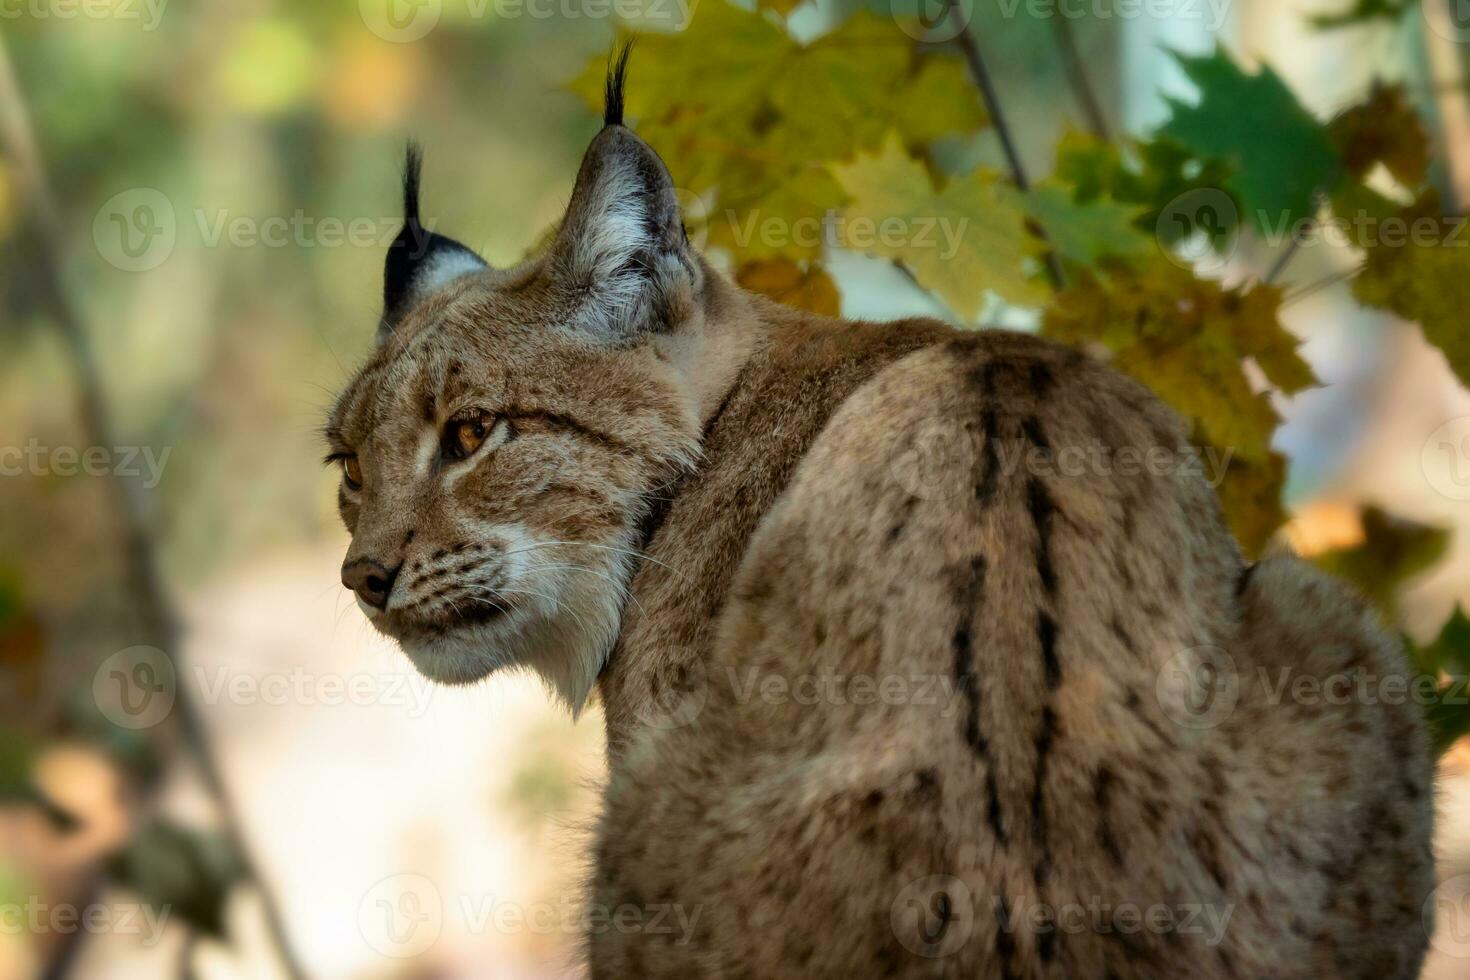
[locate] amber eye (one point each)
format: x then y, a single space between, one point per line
466 435
352 472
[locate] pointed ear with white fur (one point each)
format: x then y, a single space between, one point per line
622 243
419 261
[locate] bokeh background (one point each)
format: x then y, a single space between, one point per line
195 197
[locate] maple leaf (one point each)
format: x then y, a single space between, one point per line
957 241
1447 656
1385 129
1449 651
1187 339
1281 154
1361 12
1419 268
1392 551
1086 232
736 106
1157 173
1358 209
1250 496
786 282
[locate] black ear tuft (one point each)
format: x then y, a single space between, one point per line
419 261
413 165
617 76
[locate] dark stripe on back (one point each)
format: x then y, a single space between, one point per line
1045 735
1005 943
1031 427
1046 634
968 598
1039 502
1102 796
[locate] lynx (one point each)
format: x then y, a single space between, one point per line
887 689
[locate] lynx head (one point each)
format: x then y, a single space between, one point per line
513 428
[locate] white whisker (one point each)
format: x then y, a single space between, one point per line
634 553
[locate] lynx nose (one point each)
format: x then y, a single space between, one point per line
370 580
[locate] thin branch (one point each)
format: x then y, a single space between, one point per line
1082 90
971 50
145 586
1287 254
1312 288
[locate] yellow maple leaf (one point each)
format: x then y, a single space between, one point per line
1187 339
786 282
1250 496
744 113
958 241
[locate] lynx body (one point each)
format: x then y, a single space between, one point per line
891 687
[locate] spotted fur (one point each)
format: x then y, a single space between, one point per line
697 501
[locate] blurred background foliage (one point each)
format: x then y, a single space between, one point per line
1164 167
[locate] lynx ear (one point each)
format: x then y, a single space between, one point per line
419 261
622 243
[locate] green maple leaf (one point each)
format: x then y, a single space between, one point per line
957 241
1419 268
1282 156
1449 652
1392 551
1447 655
1085 232
1155 174
1361 12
